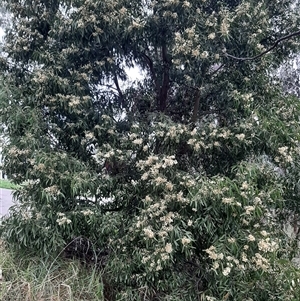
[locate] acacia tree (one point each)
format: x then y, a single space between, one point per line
177 176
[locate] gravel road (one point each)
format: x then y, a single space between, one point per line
5 200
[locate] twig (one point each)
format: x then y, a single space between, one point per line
266 51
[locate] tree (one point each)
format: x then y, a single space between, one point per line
288 76
194 159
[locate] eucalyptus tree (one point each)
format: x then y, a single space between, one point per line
175 175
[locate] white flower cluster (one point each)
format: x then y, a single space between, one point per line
267 245
53 190
62 219
153 166
212 254
87 212
285 155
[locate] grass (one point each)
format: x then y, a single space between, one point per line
32 279
7 184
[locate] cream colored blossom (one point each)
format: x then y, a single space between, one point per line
148 199
266 245
132 136
257 201
165 256
216 265
249 209
211 251
245 186
226 271
244 257
87 212
185 241
169 161
145 259
111 131
162 233
211 36
260 261
160 180
195 52
137 141
186 4
52 190
240 137
228 201
204 54
148 232
194 132
251 237
144 176
63 220
169 186
74 102
197 146
245 221
224 29
123 11
191 141
168 248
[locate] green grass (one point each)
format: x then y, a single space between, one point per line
32 279
7 184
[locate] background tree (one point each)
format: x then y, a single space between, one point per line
194 159
288 75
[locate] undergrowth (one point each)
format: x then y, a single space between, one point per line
25 278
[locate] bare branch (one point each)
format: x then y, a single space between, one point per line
296 33
118 89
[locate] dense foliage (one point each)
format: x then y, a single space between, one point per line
181 178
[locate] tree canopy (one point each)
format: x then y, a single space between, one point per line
182 177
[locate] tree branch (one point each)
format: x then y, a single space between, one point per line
166 80
119 90
154 77
296 33
196 107
152 71
216 70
